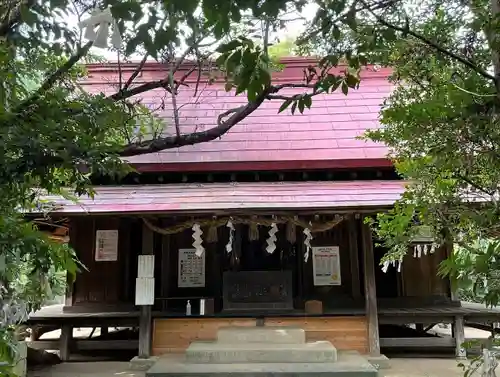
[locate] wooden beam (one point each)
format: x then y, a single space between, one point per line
370 291
354 258
423 342
86 344
145 310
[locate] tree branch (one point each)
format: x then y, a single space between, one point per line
135 73
14 17
54 78
431 43
235 116
340 17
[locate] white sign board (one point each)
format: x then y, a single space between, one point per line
144 291
191 273
146 266
326 265
106 245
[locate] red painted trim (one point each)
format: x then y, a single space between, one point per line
263 165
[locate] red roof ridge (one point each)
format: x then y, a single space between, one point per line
292 64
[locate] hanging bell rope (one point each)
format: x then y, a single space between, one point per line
291 232
212 234
253 230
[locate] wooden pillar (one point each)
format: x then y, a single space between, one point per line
145 319
458 327
370 291
354 257
70 281
65 342
165 266
299 251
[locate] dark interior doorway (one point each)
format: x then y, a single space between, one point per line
387 282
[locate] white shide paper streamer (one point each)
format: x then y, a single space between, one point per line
103 19
198 241
271 241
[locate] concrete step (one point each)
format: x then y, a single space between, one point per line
348 365
227 353
274 335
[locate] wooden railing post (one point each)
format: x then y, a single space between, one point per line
145 325
370 291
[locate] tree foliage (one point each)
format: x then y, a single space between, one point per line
441 124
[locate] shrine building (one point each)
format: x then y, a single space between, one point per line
261 227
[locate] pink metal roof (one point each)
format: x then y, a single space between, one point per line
326 133
178 198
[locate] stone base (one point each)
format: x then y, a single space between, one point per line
139 364
379 362
349 364
268 334
229 353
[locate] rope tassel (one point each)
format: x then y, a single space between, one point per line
253 231
212 236
291 232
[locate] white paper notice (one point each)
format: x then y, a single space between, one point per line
191 272
326 265
146 266
144 291
106 245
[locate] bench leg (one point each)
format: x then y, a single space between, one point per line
459 335
65 342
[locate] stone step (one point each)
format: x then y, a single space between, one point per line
274 335
348 365
227 353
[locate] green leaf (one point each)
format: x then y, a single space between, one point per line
229 46
294 107
301 105
29 17
350 19
389 34
352 81
336 33
345 88
284 105
307 101
330 59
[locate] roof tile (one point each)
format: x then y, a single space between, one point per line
326 132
